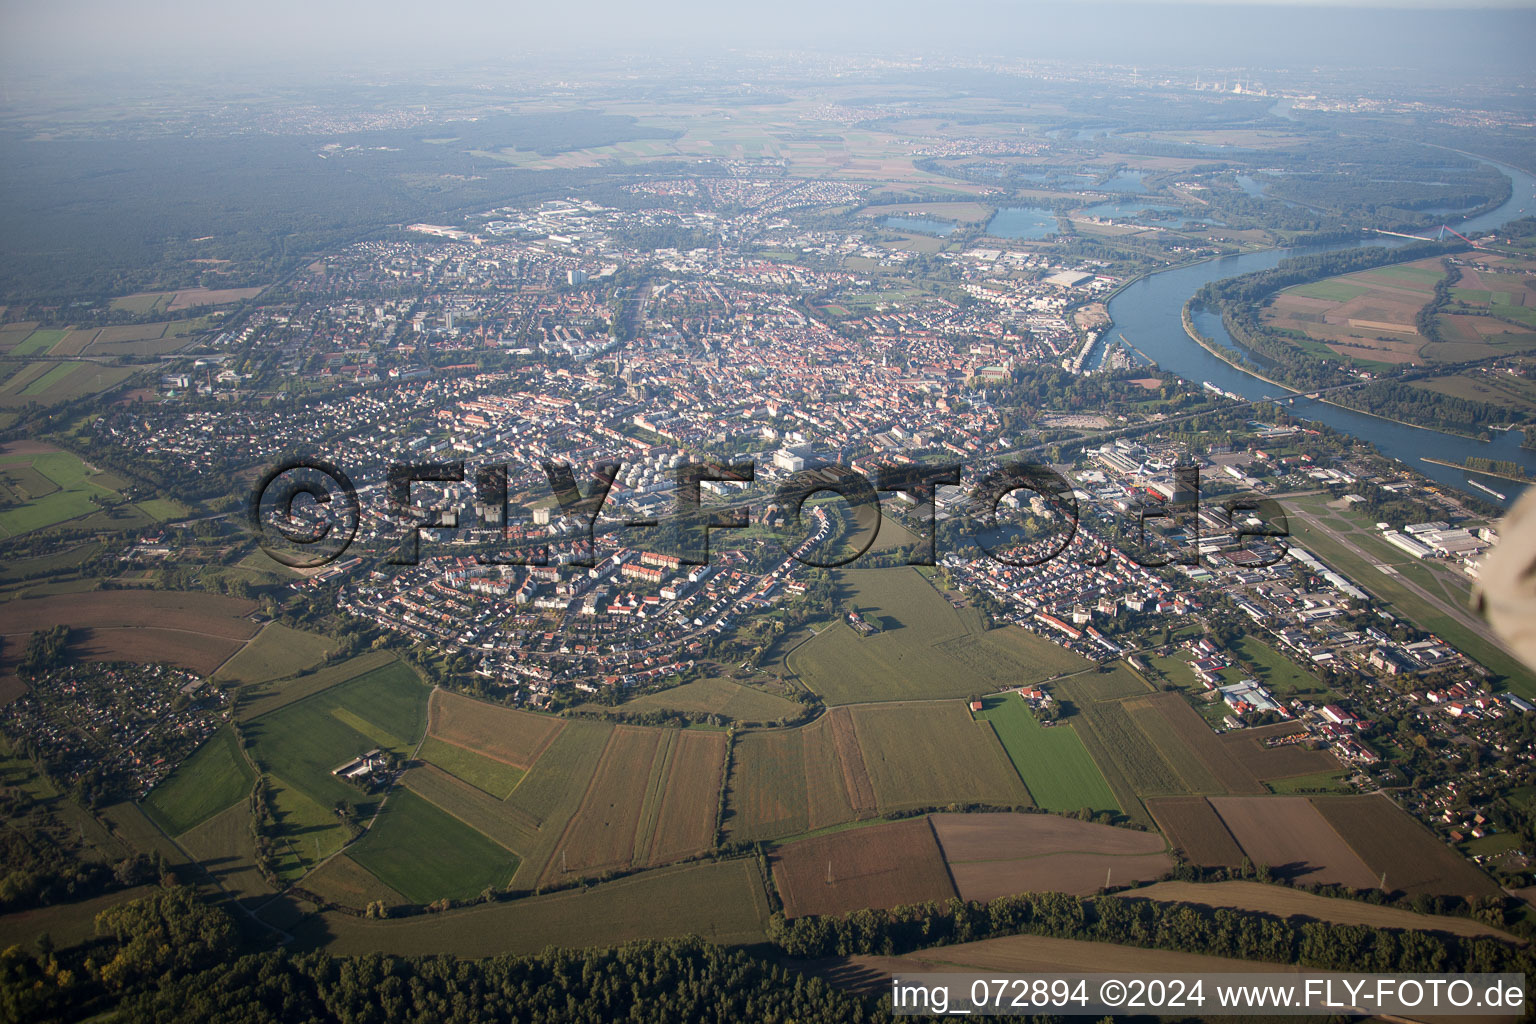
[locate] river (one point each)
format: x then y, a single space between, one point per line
1149 314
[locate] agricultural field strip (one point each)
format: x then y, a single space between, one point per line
492 818
687 823
586 795
845 746
655 794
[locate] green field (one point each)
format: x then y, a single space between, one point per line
1119 681
1332 290
425 854
51 378
53 566
298 745
712 696
163 509
1052 761
1177 669
38 342
928 648
258 700
933 754
213 778
277 652
1329 782
1278 672
49 488
497 778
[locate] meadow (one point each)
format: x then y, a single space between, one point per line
277 652
927 649
714 696
213 778
299 744
49 487
1053 762
425 854
496 778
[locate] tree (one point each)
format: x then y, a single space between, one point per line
168 932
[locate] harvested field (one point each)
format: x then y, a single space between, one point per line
1289 835
1218 767
933 754
208 614
987 837
343 880
1367 315
690 795
506 734
1081 874
723 902
601 836
992 855
874 866
796 780
196 653
1132 752
1147 713
767 797
554 788
1027 954
121 333
858 792
1282 901
1194 827
1391 842
826 789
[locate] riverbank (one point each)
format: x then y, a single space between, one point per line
1513 478
1226 356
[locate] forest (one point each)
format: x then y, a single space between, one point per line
93 218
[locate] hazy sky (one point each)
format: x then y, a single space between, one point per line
70 33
